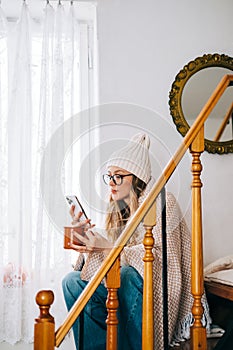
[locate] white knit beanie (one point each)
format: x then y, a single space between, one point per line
134 157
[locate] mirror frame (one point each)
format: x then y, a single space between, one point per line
175 96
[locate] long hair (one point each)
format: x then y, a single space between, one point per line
118 212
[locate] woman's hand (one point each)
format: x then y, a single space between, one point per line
75 218
92 242
79 227
84 239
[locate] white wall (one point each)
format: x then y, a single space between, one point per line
142 46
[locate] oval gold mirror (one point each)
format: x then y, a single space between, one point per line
190 91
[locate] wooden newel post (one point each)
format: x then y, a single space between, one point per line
148 304
113 283
44 329
198 332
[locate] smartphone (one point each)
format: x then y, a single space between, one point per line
69 238
73 200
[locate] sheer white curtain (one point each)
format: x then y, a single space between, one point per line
40 87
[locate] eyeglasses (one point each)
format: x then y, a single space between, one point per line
116 178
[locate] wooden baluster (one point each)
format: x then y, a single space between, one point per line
148 304
113 283
44 329
198 332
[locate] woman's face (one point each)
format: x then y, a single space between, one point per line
120 192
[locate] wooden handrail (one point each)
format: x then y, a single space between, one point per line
224 123
141 211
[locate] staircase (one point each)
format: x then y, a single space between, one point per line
46 338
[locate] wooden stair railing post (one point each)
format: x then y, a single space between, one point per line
113 283
148 304
198 331
44 328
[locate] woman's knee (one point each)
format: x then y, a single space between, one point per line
69 278
72 283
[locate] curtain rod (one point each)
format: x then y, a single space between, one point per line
59 0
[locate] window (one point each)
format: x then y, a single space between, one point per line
48 67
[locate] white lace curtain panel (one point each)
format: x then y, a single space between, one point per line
39 89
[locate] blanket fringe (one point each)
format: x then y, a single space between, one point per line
182 331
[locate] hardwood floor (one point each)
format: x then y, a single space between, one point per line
187 346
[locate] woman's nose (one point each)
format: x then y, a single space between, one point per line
111 182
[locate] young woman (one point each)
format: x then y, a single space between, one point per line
129 179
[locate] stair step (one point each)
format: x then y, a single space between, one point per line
187 346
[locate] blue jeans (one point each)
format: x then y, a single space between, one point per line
90 327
